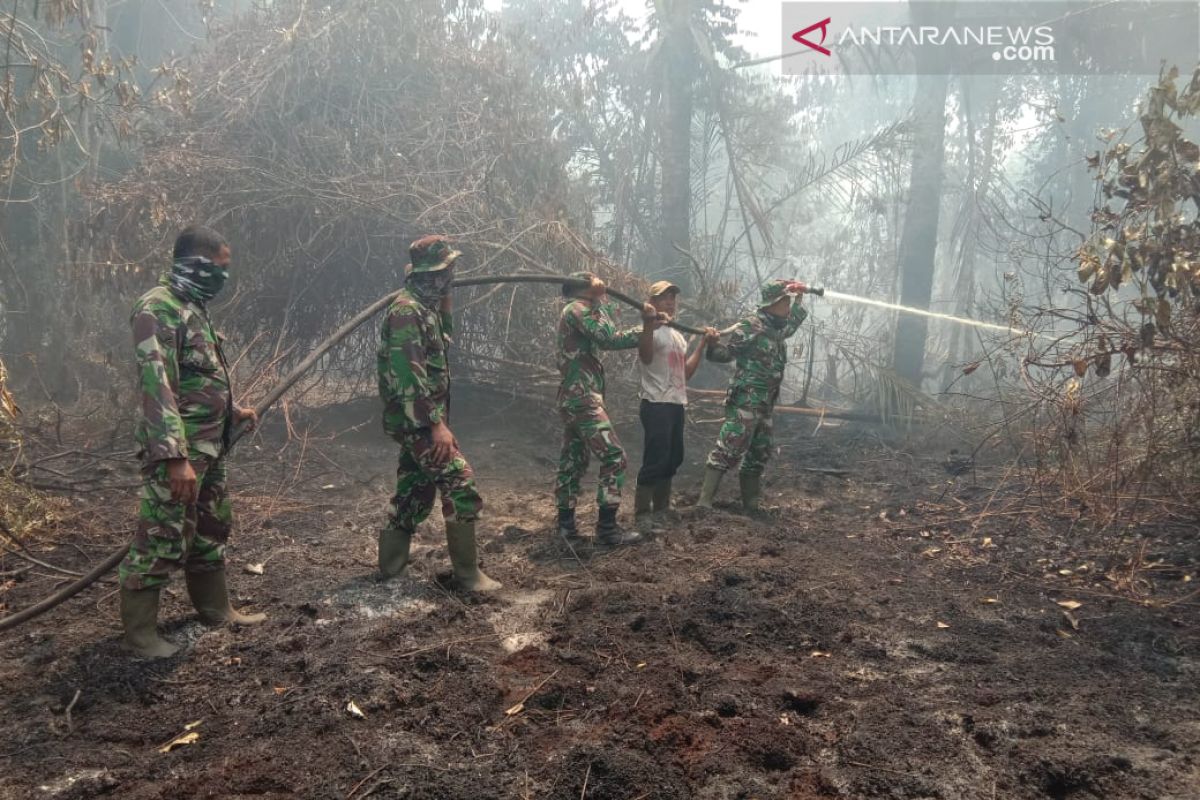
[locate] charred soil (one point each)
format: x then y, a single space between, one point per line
883 632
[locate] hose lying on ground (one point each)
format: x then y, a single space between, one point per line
114 558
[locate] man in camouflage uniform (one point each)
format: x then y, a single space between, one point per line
184 516
586 327
414 383
759 346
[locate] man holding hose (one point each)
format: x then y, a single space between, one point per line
184 515
585 328
759 346
664 367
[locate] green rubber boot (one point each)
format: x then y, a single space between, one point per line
210 596
460 542
662 497
643 499
751 492
712 481
394 546
139 615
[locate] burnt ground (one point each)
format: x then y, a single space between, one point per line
889 632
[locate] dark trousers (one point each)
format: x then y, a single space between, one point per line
663 451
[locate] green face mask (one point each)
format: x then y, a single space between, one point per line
197 278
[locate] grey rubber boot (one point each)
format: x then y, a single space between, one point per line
139 615
712 482
751 492
643 500
210 596
464 557
394 546
609 533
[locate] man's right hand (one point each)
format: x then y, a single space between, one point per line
182 480
444 443
652 318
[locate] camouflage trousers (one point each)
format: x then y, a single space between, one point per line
171 535
419 480
587 432
745 437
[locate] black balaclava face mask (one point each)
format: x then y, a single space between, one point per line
196 278
430 287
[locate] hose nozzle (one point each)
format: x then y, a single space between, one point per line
818 291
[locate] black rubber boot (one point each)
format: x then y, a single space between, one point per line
609 533
566 525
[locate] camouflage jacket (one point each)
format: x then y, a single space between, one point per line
584 330
187 403
414 371
759 345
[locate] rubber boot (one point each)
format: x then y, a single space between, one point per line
394 545
567 528
609 533
460 542
139 615
210 596
643 500
751 492
662 498
712 481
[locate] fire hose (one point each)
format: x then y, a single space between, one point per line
261 408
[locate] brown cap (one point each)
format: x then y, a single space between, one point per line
662 287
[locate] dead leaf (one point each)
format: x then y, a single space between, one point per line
1071 619
1064 572
517 709
931 552
942 625
189 736
987 542
820 654
969 368
353 710
1070 605
990 601
282 689
253 569
179 741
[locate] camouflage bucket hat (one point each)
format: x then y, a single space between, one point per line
431 254
772 291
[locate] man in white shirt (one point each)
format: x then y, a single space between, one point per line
665 367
